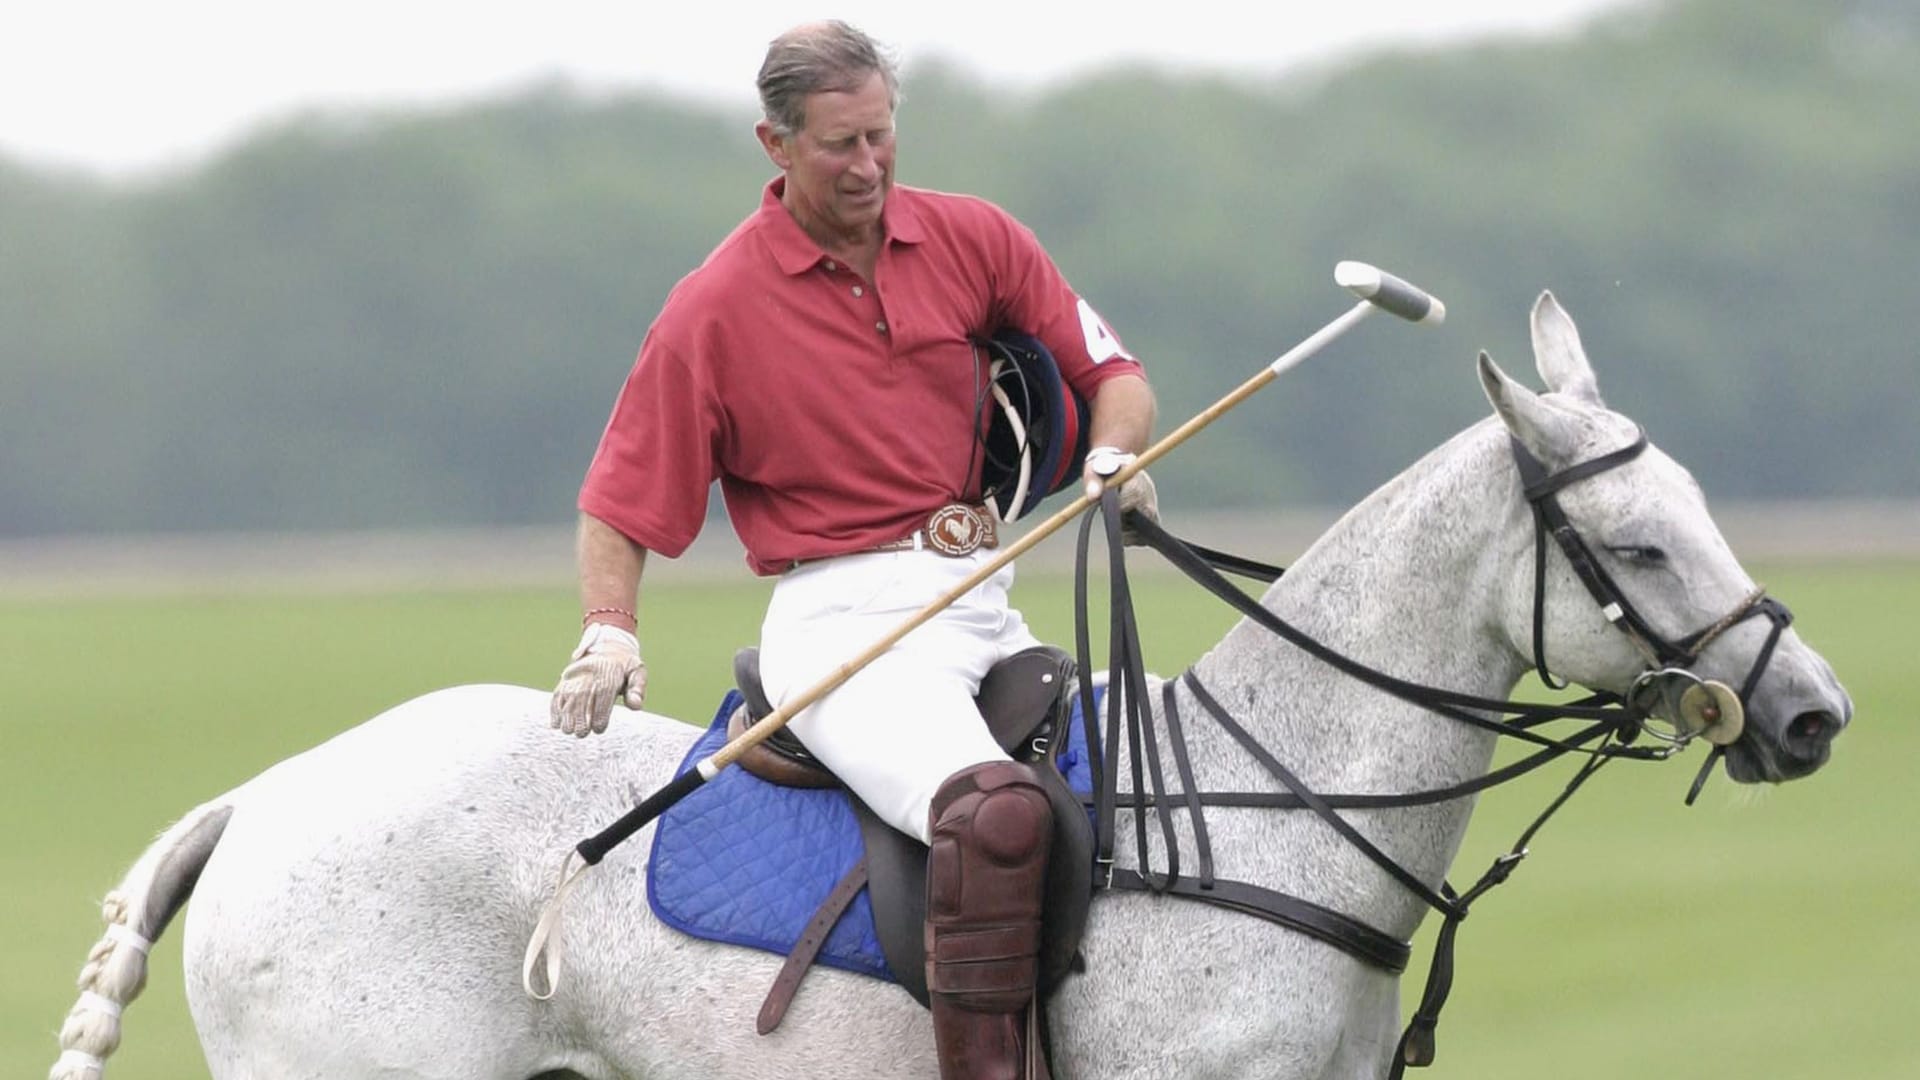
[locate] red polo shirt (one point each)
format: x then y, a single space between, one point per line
836 413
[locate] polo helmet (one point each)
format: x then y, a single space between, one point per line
1035 438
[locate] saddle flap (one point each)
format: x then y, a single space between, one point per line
897 887
746 676
782 759
1019 695
784 763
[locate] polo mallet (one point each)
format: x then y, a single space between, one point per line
1378 291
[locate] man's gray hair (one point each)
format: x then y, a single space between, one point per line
816 57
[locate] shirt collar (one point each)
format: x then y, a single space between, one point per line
795 252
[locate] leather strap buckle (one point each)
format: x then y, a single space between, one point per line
957 529
954 530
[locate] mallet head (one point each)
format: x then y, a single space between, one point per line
1389 293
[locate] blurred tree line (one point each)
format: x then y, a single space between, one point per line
388 319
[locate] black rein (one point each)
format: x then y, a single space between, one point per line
1613 722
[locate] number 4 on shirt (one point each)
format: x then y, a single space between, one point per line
1102 345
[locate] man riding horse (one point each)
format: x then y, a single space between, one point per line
823 364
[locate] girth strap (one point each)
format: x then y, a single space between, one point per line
774 1008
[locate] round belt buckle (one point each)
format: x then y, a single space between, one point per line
955 530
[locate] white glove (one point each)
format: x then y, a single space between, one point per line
1137 494
606 667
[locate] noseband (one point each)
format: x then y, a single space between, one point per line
1669 662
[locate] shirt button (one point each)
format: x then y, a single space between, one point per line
858 291
880 326
831 265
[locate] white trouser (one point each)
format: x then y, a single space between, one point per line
899 727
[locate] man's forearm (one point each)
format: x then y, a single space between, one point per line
610 568
1123 413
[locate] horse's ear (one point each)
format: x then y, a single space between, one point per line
1558 354
1547 431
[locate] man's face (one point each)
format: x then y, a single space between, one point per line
839 166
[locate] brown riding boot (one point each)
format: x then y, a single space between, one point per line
986 876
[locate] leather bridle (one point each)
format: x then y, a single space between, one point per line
1616 722
1668 661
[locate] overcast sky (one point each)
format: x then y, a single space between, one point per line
123 86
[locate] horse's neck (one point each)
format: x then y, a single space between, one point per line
1410 583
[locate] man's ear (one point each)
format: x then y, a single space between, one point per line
775 144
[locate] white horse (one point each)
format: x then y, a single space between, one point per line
361 910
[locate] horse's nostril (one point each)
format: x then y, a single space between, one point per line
1806 742
1817 726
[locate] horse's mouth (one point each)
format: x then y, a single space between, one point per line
1752 760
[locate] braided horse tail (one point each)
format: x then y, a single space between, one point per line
135 912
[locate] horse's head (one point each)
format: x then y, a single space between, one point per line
1640 595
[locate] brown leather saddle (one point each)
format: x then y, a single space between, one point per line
1025 701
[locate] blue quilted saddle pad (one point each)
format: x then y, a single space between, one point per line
746 862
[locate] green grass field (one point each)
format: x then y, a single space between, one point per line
1760 933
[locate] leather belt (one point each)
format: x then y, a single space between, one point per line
954 530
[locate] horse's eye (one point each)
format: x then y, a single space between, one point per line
1644 554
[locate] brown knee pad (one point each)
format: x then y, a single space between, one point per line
986 879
